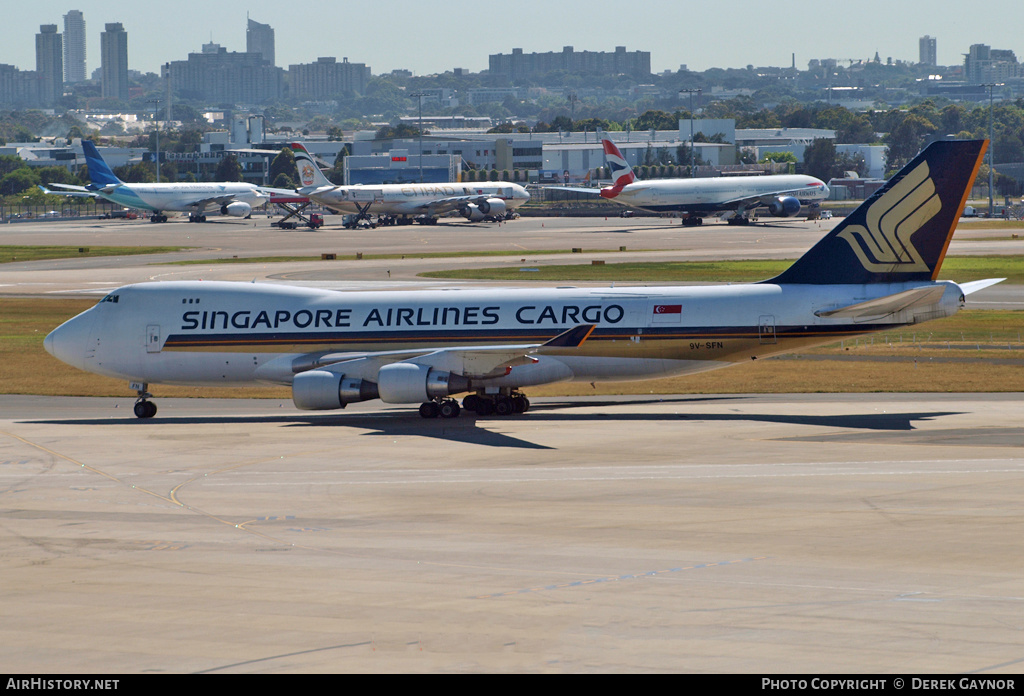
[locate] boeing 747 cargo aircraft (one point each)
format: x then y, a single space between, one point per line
876 270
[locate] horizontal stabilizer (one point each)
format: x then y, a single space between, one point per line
890 304
976 285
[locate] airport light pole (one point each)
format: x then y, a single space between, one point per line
156 116
419 96
693 166
991 86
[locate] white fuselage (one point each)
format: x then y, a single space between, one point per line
183 197
415 199
710 194
240 333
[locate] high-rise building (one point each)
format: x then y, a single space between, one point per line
226 77
926 50
114 61
74 47
259 38
622 62
49 64
328 78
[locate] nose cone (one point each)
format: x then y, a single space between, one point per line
69 342
522 194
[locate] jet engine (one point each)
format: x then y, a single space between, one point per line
236 209
320 390
784 206
409 383
491 207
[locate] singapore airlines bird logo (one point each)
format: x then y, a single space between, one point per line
884 245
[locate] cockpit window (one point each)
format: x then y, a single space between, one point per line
113 297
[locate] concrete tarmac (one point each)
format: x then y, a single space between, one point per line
749 534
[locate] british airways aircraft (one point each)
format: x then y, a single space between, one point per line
494 200
232 198
876 270
782 194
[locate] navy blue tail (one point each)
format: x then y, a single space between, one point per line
902 232
100 174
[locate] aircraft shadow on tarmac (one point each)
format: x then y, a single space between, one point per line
486 432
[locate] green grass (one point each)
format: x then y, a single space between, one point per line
10 254
410 255
959 268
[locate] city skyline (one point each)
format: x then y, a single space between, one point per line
400 34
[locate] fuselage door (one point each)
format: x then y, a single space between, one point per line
153 340
766 329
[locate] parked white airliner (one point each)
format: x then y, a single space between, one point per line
782 194
404 203
236 199
874 271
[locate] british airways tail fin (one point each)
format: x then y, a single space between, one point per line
310 175
622 173
100 174
902 232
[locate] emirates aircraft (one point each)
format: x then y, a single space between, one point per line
783 195
236 199
876 270
404 203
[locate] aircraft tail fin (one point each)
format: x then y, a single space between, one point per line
622 173
309 171
100 174
901 233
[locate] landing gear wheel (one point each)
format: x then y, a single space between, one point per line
145 409
503 406
520 404
449 408
429 409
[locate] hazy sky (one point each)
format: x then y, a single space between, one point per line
427 37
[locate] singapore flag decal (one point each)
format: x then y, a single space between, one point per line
668 313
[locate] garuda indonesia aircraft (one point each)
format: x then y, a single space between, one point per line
876 270
233 198
404 203
782 195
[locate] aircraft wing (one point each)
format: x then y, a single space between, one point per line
478 362
441 205
763 199
72 190
575 189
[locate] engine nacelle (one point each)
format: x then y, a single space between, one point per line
784 206
236 209
320 390
491 207
471 212
411 383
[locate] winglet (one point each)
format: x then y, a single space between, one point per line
901 233
573 338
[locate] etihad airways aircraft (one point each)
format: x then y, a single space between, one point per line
782 194
404 203
233 198
876 270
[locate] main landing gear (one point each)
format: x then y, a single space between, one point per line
196 217
502 404
143 407
158 217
